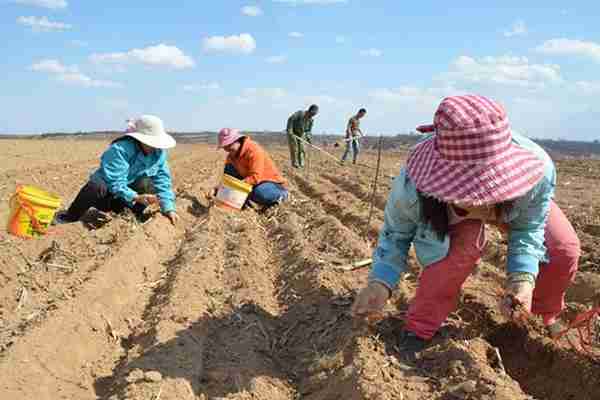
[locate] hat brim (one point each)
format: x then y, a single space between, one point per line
426 128
229 141
493 182
162 141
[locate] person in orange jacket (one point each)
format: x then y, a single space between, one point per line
248 161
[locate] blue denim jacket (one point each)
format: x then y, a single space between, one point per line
403 226
124 162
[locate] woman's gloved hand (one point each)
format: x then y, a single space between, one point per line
371 300
517 300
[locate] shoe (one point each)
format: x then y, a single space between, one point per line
62 217
410 344
142 217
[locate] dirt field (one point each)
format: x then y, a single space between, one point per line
248 306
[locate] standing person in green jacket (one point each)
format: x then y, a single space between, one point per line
299 125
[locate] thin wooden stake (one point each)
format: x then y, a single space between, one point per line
372 200
320 149
310 152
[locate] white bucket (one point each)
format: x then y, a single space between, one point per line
232 193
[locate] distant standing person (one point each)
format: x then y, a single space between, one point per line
299 126
133 173
353 134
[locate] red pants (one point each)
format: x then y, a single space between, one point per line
440 283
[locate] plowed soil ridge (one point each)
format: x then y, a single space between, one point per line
351 211
59 354
247 305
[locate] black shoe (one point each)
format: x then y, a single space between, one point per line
62 217
410 344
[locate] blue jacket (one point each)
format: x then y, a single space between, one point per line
124 162
403 226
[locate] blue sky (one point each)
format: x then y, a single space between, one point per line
74 65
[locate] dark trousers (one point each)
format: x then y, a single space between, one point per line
96 194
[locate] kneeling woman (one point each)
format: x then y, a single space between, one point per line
133 173
249 162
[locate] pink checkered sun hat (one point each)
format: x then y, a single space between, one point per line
471 159
228 136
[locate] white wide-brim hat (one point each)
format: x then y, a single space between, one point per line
150 130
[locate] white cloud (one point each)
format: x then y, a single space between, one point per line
340 39
318 2
570 47
588 87
159 55
411 95
371 53
411 106
43 24
518 28
201 87
506 71
268 93
52 66
79 79
234 44
51 4
276 59
296 35
70 74
252 11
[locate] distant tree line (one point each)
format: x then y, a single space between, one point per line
561 147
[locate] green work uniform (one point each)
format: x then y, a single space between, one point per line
298 126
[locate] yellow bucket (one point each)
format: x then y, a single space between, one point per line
232 193
31 211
